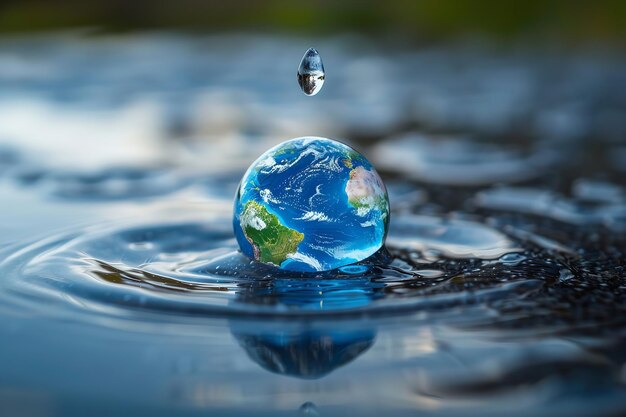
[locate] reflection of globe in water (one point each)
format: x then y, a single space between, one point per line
303 353
311 204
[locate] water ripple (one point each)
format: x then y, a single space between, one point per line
194 268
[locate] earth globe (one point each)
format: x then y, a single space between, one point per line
311 204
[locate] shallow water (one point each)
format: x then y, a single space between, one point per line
122 291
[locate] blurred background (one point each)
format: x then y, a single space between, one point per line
202 71
576 21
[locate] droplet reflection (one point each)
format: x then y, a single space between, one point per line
311 72
309 409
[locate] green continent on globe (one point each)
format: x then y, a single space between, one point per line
271 241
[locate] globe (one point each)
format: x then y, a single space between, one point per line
311 204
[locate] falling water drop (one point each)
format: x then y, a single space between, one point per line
311 72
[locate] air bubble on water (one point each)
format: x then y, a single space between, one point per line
311 73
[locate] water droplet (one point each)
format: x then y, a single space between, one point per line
311 72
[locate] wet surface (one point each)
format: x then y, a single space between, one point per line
122 290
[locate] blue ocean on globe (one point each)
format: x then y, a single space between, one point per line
311 204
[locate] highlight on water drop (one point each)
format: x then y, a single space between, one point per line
311 73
